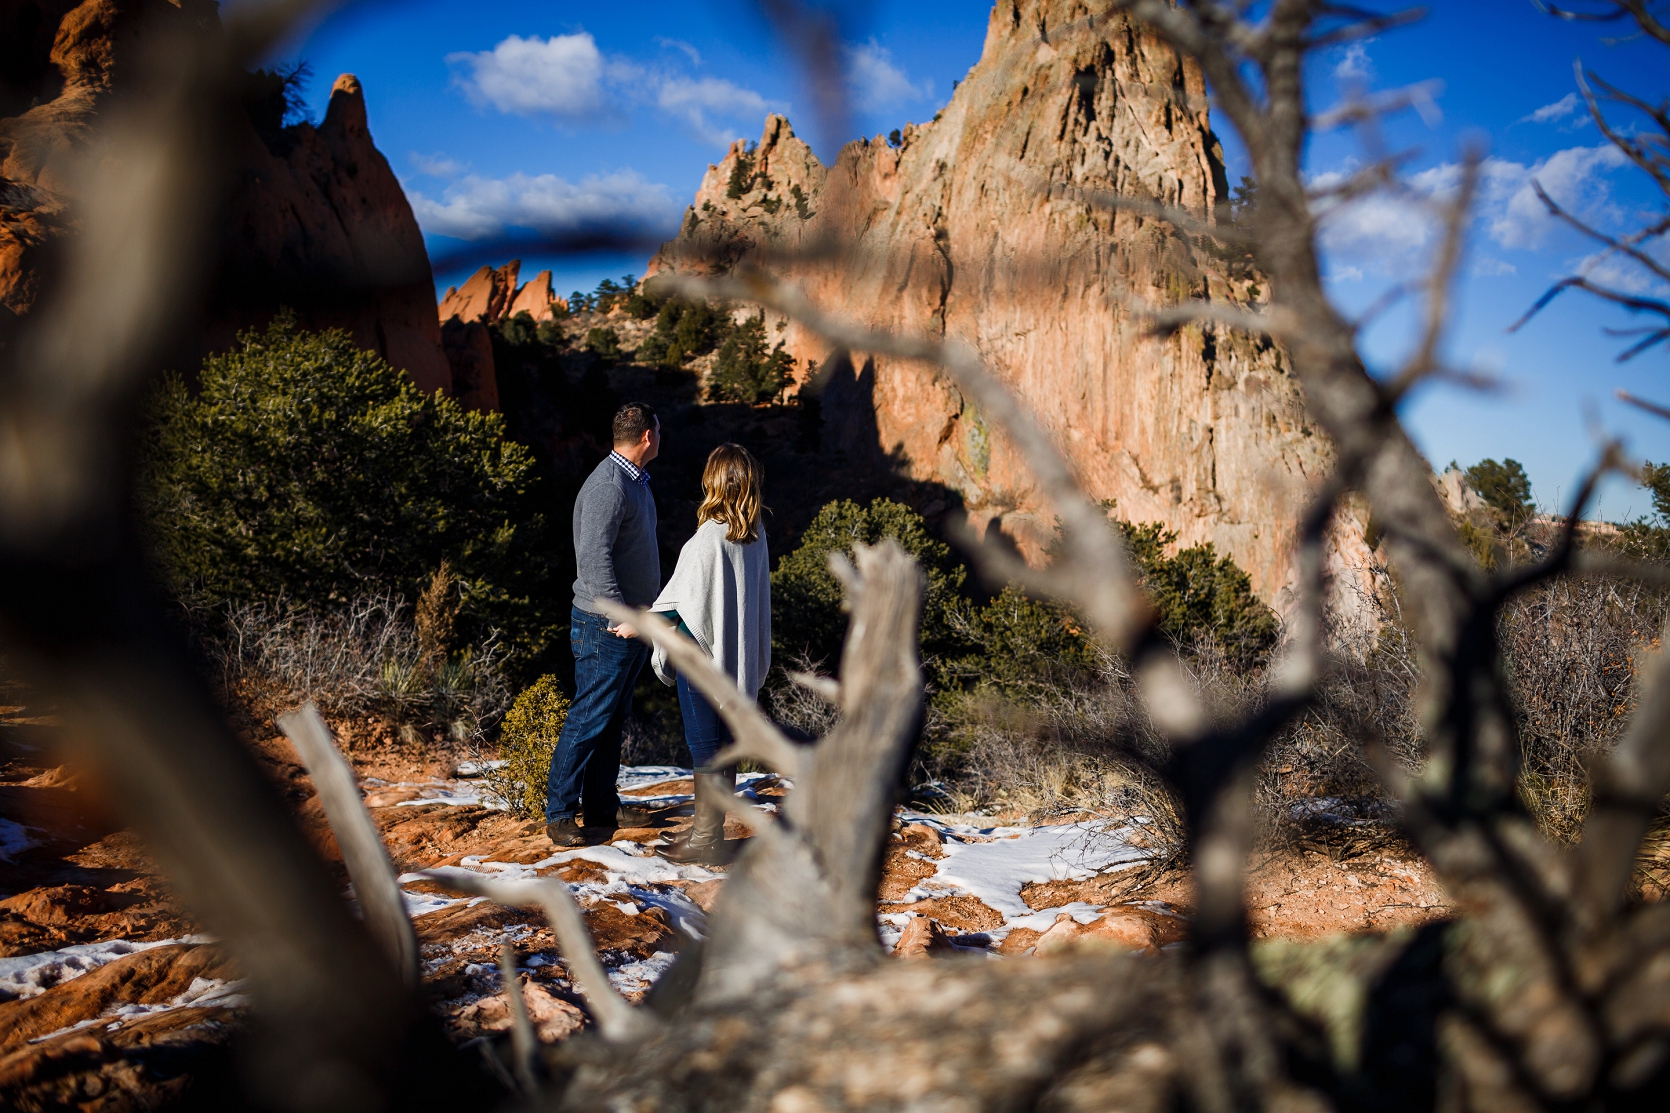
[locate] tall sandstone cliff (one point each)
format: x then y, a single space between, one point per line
316 220
976 227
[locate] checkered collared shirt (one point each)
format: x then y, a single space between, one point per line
633 471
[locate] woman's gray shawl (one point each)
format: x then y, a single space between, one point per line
722 590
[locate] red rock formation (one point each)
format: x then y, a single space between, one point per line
490 295
976 228
321 225
537 299
317 223
484 296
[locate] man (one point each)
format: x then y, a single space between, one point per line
617 557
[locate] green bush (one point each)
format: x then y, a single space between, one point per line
639 307
746 370
1020 644
1014 641
520 329
1506 487
1648 537
742 174
605 342
806 599
304 469
1197 593
527 737
683 329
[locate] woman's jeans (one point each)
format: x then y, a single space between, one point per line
586 761
704 731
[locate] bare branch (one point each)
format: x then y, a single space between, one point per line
524 1045
1365 25
1629 301
1636 150
1621 9
1181 219
823 687
1356 110
1166 320
616 1018
1642 404
806 892
1560 557
362 847
1629 787
1625 246
1424 362
1592 562
755 736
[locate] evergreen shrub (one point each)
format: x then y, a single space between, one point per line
527 737
302 469
605 343
807 621
747 370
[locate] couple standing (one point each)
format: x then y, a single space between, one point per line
719 596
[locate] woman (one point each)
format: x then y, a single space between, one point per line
720 595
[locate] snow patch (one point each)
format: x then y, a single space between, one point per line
635 977
457 794
32 975
642 776
14 839
202 993
994 864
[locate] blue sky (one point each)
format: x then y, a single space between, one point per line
510 114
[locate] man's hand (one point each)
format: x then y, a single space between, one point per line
624 630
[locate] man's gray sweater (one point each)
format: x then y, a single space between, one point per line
614 540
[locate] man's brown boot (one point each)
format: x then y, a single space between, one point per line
565 833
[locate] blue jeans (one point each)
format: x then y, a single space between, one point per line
704 731
586 761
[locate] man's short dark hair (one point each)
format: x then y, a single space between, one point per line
632 421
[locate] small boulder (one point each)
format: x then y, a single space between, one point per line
553 1018
1124 929
922 937
59 904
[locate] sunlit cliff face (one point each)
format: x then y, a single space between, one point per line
983 225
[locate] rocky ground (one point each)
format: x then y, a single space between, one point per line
110 1000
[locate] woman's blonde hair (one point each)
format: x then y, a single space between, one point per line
731 492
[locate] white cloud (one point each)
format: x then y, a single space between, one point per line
1376 226
679 44
1355 64
569 80
437 165
1385 232
877 84
1574 178
561 76
1559 110
1619 272
696 100
475 208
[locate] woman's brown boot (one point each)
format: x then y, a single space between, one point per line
704 843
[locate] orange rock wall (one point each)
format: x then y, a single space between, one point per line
325 229
977 228
317 221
